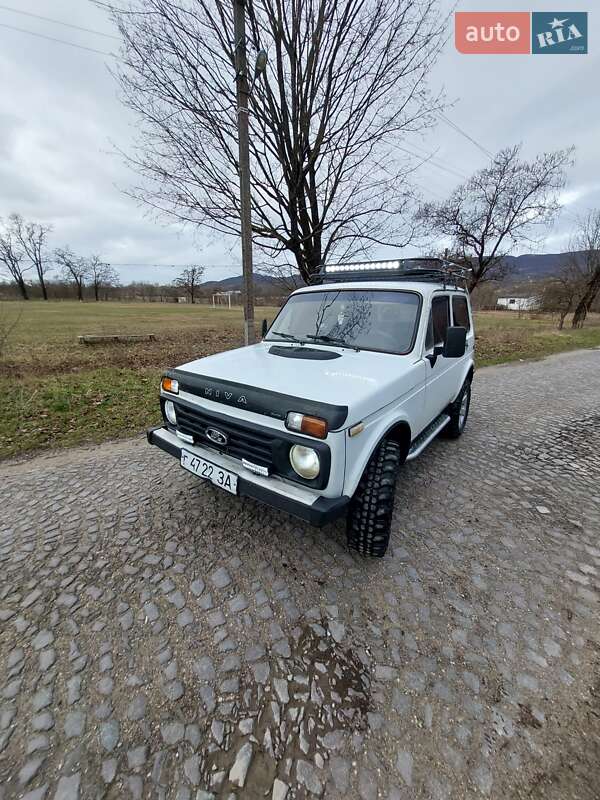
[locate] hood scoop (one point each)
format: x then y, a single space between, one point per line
306 353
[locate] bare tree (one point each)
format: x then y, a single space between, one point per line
560 293
101 275
189 281
74 268
587 241
32 237
500 206
12 256
345 82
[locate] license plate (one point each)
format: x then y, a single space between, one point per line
210 472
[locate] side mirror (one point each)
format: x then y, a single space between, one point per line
456 342
265 328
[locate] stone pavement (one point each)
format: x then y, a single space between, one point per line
159 638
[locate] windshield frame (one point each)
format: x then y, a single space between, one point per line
330 288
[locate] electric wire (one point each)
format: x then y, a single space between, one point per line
458 129
58 41
52 21
59 22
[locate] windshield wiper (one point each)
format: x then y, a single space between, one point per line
332 340
289 336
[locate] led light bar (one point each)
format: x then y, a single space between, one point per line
426 268
363 266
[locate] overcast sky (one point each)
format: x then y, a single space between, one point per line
60 119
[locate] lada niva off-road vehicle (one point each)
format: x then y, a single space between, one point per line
356 375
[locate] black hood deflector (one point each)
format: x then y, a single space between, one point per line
253 398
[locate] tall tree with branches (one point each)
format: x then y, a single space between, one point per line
587 242
189 280
33 239
101 275
346 81
560 293
499 207
74 268
12 257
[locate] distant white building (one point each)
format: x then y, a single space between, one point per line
518 303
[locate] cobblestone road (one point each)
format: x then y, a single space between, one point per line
160 639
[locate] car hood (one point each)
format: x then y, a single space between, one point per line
341 385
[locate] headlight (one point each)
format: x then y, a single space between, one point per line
305 461
170 412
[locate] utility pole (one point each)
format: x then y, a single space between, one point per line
241 75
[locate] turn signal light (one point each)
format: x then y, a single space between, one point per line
311 426
170 385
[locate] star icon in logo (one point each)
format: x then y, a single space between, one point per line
557 23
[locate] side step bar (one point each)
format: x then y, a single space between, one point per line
426 436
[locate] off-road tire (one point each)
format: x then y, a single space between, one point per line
457 422
370 512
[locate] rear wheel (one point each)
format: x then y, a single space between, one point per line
458 411
370 513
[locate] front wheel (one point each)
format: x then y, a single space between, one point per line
459 411
370 513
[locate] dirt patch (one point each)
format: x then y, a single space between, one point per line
572 772
311 699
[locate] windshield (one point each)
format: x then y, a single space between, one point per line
363 319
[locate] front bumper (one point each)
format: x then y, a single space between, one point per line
295 500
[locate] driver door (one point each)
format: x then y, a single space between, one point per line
440 385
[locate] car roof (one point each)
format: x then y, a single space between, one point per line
426 288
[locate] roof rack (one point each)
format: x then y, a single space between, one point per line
436 270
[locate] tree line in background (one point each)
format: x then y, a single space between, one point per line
36 271
24 252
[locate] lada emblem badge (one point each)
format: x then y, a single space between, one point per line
216 436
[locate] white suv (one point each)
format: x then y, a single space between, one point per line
355 376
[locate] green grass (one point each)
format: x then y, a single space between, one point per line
503 336
55 392
89 406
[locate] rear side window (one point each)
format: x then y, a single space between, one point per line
460 311
440 316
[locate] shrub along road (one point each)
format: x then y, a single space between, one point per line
160 638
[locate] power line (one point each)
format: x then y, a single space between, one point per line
458 129
59 41
58 22
432 157
442 116
178 266
430 160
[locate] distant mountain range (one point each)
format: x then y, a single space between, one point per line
538 266
525 267
234 284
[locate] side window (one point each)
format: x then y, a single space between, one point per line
460 311
429 334
440 314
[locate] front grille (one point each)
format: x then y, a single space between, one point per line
243 442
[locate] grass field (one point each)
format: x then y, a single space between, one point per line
55 392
